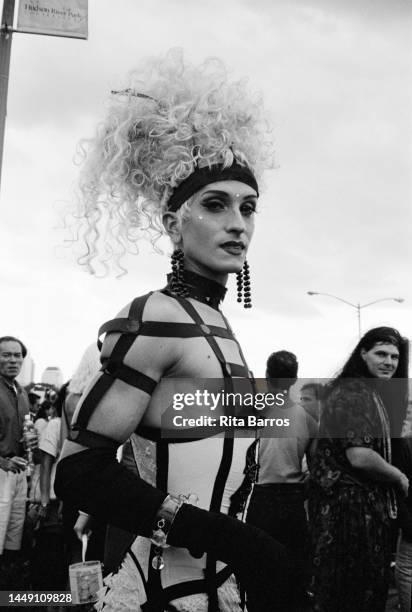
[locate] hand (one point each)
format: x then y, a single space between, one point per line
33 442
403 483
13 464
33 515
81 526
20 463
7 466
263 565
44 506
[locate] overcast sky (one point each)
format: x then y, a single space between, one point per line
336 213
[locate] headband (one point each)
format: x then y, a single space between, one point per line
204 176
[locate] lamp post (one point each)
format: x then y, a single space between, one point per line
357 306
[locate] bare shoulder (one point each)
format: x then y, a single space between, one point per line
158 307
148 353
163 307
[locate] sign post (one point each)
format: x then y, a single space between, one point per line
67 18
5 50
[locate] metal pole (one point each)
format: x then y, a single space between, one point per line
5 50
358 307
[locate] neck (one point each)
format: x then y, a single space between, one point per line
215 277
200 288
9 379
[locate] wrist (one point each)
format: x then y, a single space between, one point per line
164 519
397 475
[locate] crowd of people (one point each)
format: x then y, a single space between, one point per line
38 537
329 495
218 521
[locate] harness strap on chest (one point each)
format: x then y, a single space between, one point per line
207 334
113 369
227 452
250 373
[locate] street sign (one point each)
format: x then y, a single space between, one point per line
67 18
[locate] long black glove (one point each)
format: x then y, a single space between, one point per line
260 562
93 481
97 484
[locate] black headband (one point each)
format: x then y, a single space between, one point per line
203 176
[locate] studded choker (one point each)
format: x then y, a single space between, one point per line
200 288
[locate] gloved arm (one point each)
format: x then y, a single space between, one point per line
260 562
94 482
97 484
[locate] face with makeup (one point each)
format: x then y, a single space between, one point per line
216 233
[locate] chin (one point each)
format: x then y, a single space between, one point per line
235 269
232 267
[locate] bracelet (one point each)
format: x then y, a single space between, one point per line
164 519
163 522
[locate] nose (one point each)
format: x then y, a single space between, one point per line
236 222
388 360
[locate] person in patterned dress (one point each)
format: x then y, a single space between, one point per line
352 483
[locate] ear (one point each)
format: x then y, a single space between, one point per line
363 353
173 227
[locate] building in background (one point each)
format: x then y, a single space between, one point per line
52 376
26 375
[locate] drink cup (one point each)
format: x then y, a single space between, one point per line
85 581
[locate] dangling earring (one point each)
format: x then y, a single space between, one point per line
239 282
178 273
243 286
246 286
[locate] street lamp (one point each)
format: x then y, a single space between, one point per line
357 306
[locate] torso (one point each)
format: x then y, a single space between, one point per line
14 405
280 458
179 467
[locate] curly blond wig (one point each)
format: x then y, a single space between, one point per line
172 118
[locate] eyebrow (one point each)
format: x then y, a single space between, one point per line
227 195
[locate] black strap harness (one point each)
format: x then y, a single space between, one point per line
112 369
158 598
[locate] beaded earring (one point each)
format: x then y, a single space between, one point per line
239 282
178 273
243 286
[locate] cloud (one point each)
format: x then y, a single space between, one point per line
335 216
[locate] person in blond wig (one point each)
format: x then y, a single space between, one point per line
180 154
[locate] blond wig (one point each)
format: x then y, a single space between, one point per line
173 117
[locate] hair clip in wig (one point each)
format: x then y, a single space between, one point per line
132 92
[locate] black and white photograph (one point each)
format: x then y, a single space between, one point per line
205 237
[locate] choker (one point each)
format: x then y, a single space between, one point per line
200 288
